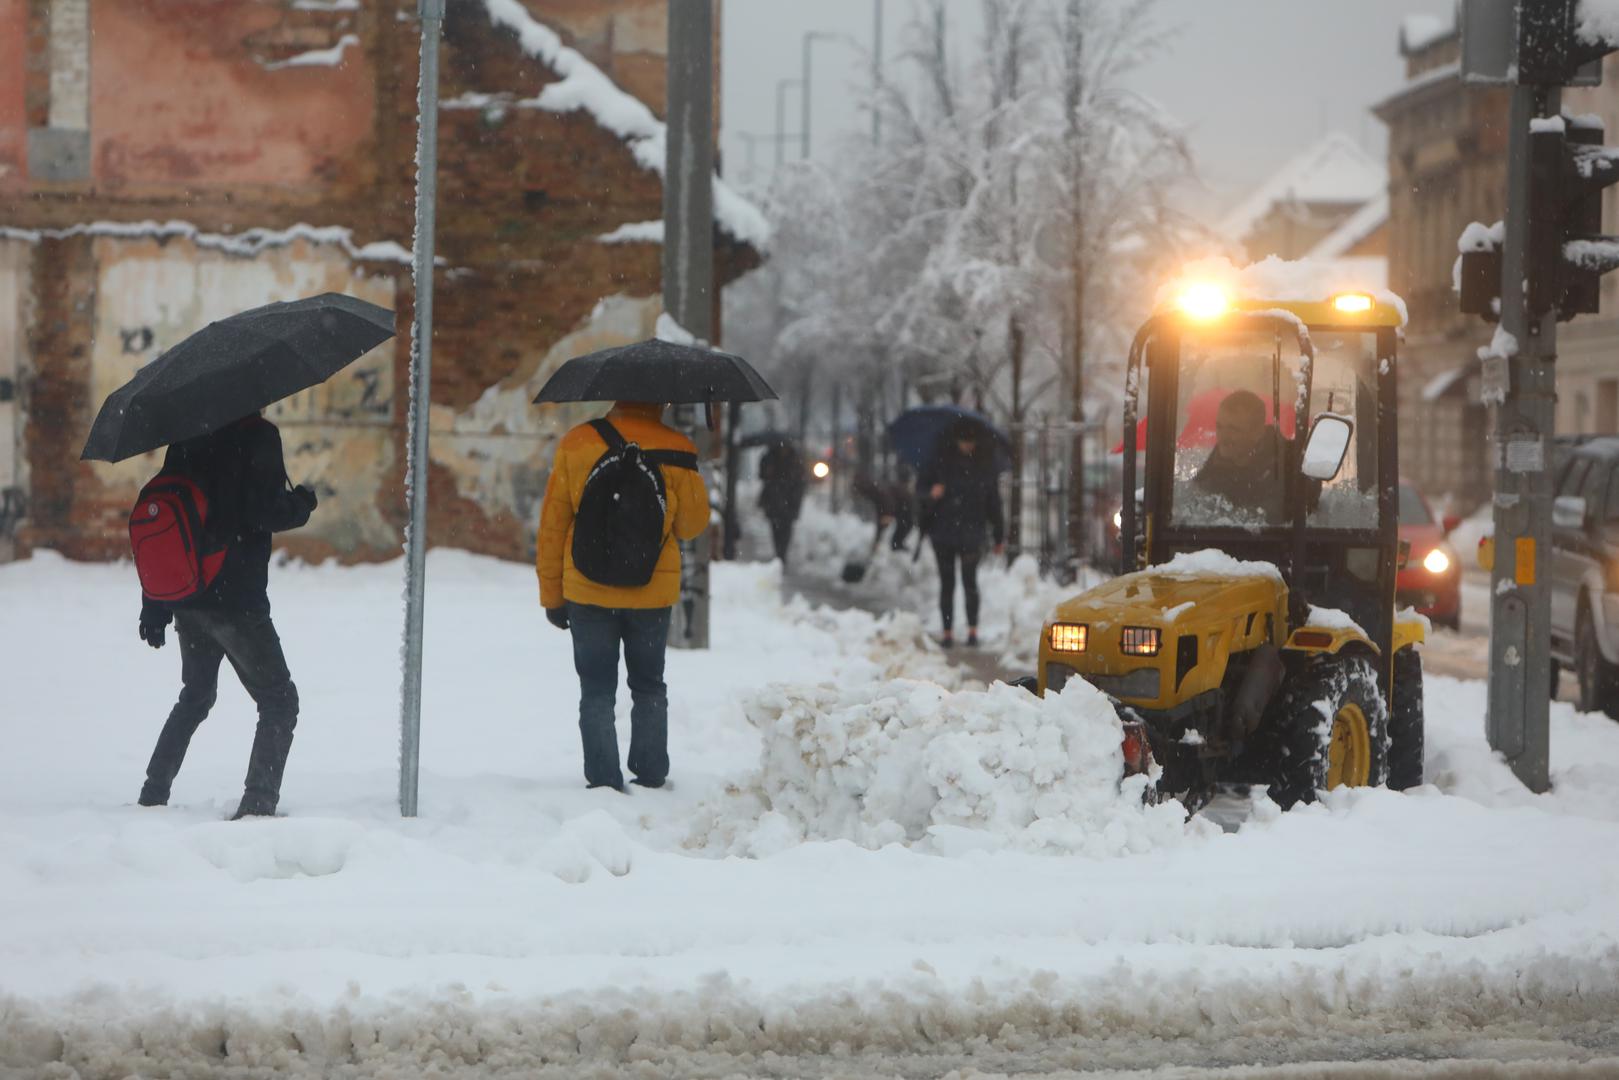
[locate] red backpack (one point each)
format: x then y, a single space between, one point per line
168 530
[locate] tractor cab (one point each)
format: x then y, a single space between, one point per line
1260 550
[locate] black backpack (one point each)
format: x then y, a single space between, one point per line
618 528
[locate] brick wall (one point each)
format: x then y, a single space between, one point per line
524 195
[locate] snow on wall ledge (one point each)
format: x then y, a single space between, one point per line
249 243
585 86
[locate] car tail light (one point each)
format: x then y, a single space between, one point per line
1136 749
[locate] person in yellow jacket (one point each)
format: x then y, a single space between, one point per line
601 616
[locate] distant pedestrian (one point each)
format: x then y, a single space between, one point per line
893 503
623 490
781 493
201 536
962 512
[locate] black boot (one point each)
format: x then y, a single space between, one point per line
262 789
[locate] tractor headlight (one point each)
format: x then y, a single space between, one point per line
1351 303
1436 561
1203 301
1068 637
1139 640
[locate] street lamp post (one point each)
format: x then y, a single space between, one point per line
810 38
781 115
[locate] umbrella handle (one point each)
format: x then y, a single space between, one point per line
711 416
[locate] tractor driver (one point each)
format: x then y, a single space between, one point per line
1244 467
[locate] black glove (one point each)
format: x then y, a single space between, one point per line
557 617
152 632
307 494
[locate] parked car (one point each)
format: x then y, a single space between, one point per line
1431 580
1584 571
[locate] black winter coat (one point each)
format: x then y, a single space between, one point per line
781 488
971 506
242 473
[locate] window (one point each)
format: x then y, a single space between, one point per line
1607 407
1413 511
1596 483
1344 382
1573 476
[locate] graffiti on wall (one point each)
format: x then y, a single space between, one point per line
151 295
499 450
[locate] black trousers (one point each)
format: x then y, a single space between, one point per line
597 633
781 536
946 557
249 641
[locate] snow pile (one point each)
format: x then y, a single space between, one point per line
906 762
1417 32
1276 279
1597 22
585 86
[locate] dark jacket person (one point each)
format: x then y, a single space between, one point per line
961 497
241 472
781 493
1244 468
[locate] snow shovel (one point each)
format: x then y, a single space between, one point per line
854 570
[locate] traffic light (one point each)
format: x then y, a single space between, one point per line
1566 253
1558 44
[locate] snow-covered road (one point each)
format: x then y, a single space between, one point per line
770 915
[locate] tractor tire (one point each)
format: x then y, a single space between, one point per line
1405 722
1596 677
1329 727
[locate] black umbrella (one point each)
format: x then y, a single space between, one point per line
235 367
764 438
656 371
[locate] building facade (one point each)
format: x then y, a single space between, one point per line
269 154
1447 168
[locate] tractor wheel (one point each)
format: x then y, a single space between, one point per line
1594 674
1329 729
1405 721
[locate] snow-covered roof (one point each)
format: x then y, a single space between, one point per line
585 86
1597 21
1417 32
1334 170
1355 228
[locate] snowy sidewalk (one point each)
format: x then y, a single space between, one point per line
523 926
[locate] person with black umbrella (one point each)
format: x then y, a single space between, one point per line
200 530
961 502
243 477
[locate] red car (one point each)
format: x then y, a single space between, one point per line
1432 579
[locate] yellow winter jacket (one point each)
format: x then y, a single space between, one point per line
685 519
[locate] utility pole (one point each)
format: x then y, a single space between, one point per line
810 38
1542 266
1073 98
431 13
1524 384
781 117
877 73
688 254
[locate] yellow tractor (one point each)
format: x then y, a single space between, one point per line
1251 637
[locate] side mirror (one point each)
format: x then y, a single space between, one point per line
1449 522
1568 512
1328 443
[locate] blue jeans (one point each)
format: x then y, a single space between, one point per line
597 632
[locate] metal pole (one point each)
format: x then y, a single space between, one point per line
431 13
781 117
877 73
1520 600
804 128
688 252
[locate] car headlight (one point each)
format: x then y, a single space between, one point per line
1118 520
1069 637
1436 561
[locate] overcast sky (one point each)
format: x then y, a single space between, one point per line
1255 81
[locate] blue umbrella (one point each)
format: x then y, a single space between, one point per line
915 433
